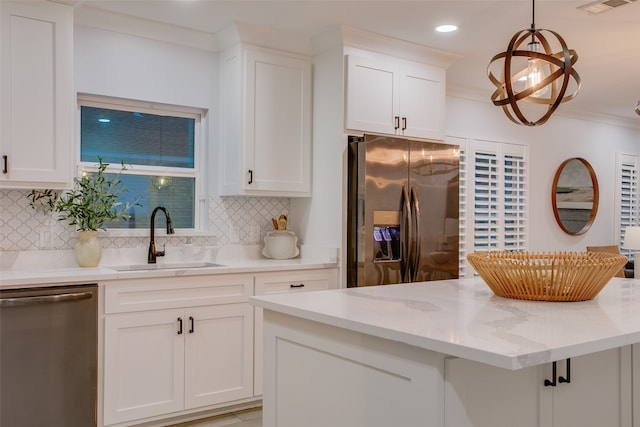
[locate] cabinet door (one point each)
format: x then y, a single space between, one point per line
36 112
143 365
479 395
372 95
219 354
599 393
278 123
422 101
278 283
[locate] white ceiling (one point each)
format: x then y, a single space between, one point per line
608 44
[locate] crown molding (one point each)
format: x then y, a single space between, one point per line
94 17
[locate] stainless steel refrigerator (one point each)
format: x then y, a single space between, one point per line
403 210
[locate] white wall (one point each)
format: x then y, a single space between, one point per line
119 65
124 66
549 145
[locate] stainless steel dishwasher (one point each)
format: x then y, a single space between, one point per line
48 356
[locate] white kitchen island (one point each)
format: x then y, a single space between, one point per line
450 353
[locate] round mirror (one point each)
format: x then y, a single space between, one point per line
575 196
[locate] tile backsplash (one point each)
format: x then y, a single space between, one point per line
235 220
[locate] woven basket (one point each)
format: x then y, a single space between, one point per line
546 276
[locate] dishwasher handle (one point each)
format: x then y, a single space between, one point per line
44 299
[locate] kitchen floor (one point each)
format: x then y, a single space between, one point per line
248 418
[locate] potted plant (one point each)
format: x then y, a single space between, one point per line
92 203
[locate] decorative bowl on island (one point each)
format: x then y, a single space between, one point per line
546 276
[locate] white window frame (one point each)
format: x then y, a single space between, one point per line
471 240
199 116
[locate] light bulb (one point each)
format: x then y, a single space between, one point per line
536 72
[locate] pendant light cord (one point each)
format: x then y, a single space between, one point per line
533 14
533 20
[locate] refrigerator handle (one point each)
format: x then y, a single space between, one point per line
415 212
405 258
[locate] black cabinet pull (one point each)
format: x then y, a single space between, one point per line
568 378
250 177
548 383
5 163
191 327
397 121
554 372
180 325
301 285
404 123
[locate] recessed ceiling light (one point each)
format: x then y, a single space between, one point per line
446 28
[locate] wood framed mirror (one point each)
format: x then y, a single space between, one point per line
575 196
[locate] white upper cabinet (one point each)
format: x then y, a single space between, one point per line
393 96
265 138
36 105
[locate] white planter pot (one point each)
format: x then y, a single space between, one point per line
88 249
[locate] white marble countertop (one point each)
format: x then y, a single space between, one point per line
463 318
11 279
34 273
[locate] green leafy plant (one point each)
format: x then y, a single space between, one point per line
43 200
91 204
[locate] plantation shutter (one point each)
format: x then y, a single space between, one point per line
500 196
494 194
462 220
627 196
515 192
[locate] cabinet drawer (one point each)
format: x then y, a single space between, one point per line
311 280
170 292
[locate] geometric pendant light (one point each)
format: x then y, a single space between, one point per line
638 108
530 72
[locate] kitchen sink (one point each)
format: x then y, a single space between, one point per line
167 266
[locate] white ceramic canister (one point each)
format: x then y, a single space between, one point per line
280 244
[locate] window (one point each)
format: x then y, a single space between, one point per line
627 196
159 146
493 198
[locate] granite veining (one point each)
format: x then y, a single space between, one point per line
463 318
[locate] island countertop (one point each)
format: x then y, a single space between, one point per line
463 318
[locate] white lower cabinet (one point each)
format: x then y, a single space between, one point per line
279 283
599 393
173 345
218 356
144 362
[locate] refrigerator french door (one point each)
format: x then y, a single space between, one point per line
403 210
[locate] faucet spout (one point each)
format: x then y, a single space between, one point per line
153 254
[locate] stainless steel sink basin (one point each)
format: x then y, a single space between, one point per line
168 266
